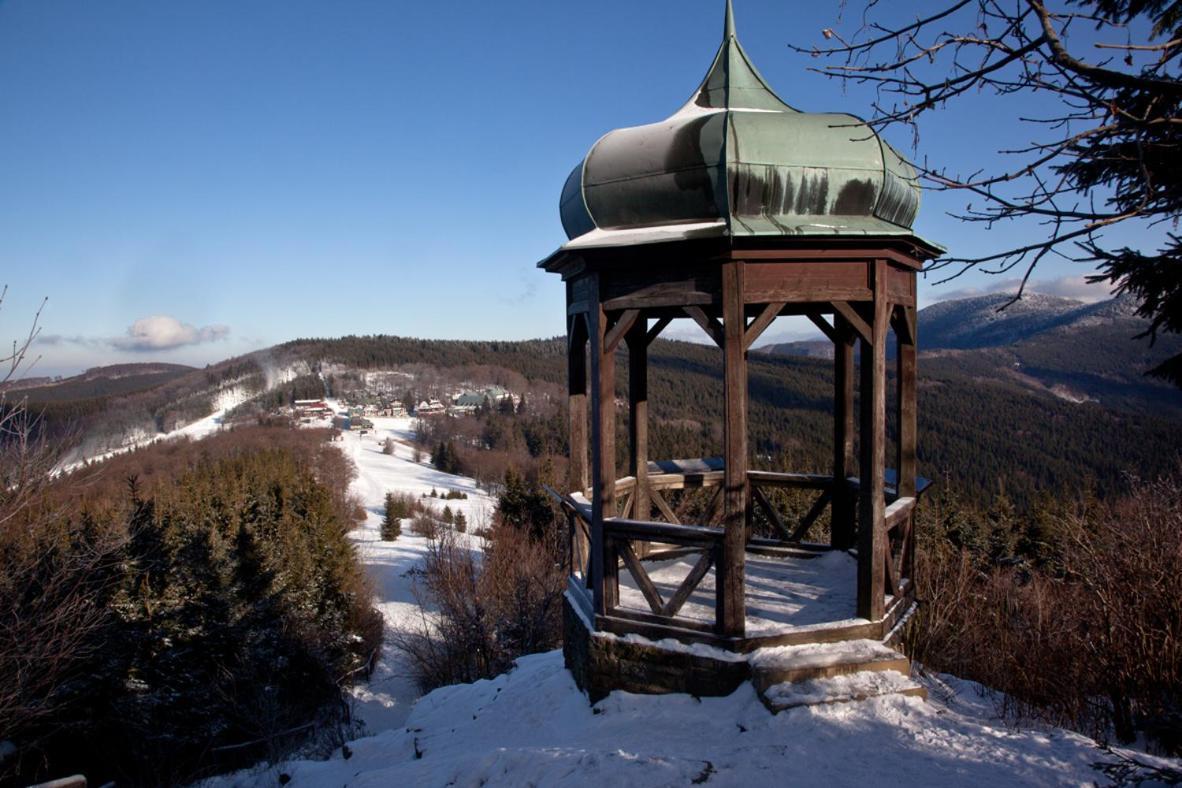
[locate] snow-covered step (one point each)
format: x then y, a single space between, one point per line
840 689
771 666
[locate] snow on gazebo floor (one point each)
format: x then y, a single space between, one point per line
782 593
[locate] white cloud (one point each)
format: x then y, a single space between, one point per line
1075 287
149 334
162 332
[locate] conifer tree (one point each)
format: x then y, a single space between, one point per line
391 522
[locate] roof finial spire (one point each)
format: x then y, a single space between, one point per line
728 32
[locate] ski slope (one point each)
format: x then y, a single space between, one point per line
385 701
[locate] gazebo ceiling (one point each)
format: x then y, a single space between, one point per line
736 161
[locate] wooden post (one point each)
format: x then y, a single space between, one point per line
907 373
871 531
730 601
604 565
637 339
842 521
576 397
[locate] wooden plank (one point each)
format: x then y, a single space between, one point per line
854 320
761 323
897 513
628 622
730 604
622 326
809 481
770 511
604 567
643 581
663 505
692 580
681 481
577 402
842 526
766 282
890 577
811 517
663 532
907 461
712 507
820 322
637 340
656 330
708 324
871 534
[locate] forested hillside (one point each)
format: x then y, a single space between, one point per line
977 437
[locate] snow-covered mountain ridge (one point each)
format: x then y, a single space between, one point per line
981 321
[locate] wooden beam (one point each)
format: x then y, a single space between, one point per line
770 511
855 321
842 526
820 322
604 566
871 533
622 326
663 532
643 581
906 460
663 507
637 340
761 323
576 373
708 324
903 321
730 603
656 330
905 402
811 517
692 580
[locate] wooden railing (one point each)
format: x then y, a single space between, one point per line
629 538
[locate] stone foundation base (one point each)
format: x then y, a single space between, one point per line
601 662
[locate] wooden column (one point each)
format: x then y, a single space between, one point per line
576 397
908 345
730 602
604 565
637 339
905 381
842 528
871 528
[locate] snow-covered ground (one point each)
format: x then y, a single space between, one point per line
533 727
226 400
386 699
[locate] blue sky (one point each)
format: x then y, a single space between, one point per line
244 172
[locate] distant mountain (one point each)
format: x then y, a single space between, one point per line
99 382
1071 350
808 348
1064 408
978 322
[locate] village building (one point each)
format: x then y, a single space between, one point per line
431 407
737 210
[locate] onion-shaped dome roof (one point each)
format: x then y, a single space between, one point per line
737 161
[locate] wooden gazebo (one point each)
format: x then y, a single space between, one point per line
737 210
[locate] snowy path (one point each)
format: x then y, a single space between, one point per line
386 700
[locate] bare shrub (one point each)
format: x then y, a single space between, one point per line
1096 645
488 610
425 525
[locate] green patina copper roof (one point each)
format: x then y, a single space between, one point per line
737 160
